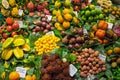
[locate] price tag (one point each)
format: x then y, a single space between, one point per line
76 13
20 12
20 23
111 16
98 7
110 25
85 31
72 70
89 1
49 17
90 77
50 33
21 71
102 57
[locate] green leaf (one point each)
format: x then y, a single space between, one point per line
30 71
108 73
58 33
73 57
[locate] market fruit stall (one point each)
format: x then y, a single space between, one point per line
59 39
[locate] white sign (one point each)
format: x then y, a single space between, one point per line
72 70
111 16
21 71
20 23
49 17
76 13
20 12
50 33
98 7
85 31
110 25
102 57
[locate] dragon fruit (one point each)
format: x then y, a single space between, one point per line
45 3
117 30
40 7
31 6
46 12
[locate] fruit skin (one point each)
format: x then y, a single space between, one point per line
34 77
114 65
109 52
31 6
7 54
14 76
118 61
60 19
68 17
100 33
15 26
58 26
76 21
76 8
9 28
3 75
116 50
103 25
13 34
18 53
57 4
67 3
66 24
66 11
5 35
9 21
28 77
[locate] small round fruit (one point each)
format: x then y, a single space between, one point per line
14 76
114 64
118 61
15 26
109 52
9 28
5 35
66 24
116 50
13 34
9 21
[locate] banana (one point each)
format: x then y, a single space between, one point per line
6 54
18 53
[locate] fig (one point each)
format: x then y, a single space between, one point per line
39 23
41 28
63 33
65 40
80 31
48 27
48 21
77 45
45 31
72 40
43 15
43 24
70 46
78 39
43 20
37 28
74 31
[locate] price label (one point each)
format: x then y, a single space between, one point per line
89 1
50 33
110 25
20 23
85 31
21 71
102 57
76 13
90 77
98 8
49 17
72 70
20 12
111 16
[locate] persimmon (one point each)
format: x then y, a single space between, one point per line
105 41
9 21
94 27
105 26
101 23
14 76
66 24
100 33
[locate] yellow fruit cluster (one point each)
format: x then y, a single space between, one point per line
46 44
14 11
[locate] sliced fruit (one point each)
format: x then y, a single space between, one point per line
7 53
7 42
18 53
18 42
5 4
26 47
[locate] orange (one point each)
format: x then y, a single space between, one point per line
14 76
60 19
68 17
66 24
100 33
66 11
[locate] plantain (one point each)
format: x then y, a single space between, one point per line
6 54
18 53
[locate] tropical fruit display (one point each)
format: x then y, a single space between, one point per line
59 40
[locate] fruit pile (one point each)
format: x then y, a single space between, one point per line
77 40
102 33
46 44
90 14
43 25
91 64
53 68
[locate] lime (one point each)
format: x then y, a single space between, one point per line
93 12
82 12
87 13
7 42
101 16
90 18
83 18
